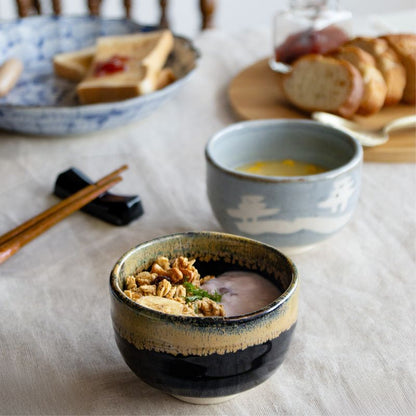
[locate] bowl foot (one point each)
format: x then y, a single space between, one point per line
296 250
205 400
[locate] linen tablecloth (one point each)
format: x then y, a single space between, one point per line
353 351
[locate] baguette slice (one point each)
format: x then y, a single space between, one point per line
144 56
375 88
388 63
323 83
404 44
73 65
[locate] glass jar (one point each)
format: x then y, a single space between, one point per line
308 26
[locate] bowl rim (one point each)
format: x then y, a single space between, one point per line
16 23
256 124
117 292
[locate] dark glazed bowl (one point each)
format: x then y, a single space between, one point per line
210 359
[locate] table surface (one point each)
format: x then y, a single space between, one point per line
353 351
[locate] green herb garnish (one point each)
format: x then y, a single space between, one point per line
194 293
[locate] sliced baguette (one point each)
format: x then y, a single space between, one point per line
375 88
323 83
144 54
404 44
73 65
388 63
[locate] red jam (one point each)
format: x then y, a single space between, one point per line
116 63
310 41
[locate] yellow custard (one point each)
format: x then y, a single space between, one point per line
286 167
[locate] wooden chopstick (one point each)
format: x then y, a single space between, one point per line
12 241
60 205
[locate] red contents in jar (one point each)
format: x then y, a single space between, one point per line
310 41
116 63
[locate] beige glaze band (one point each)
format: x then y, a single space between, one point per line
180 338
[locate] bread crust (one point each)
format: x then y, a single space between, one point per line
73 65
352 83
404 44
375 88
165 77
388 64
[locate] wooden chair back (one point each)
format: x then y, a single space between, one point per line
207 9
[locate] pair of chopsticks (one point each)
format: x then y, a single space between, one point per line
14 240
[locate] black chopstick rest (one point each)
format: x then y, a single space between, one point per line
115 209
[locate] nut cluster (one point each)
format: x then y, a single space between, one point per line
179 271
166 280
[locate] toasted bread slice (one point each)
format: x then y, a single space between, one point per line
165 77
404 44
125 67
73 65
388 63
323 83
375 88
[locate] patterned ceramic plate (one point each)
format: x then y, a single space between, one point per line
43 104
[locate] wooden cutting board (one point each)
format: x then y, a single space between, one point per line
255 93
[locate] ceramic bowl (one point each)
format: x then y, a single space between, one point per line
295 213
209 359
44 104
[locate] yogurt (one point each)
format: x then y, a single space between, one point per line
242 292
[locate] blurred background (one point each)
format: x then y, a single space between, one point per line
230 15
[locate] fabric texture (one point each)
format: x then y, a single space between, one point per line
353 351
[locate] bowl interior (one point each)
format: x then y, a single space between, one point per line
215 253
301 140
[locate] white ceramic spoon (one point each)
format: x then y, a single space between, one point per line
366 137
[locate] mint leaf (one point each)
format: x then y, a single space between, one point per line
195 293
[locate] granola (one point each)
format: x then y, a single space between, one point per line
174 286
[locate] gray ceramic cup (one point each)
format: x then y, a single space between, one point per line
291 213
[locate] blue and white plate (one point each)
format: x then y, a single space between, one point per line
44 104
